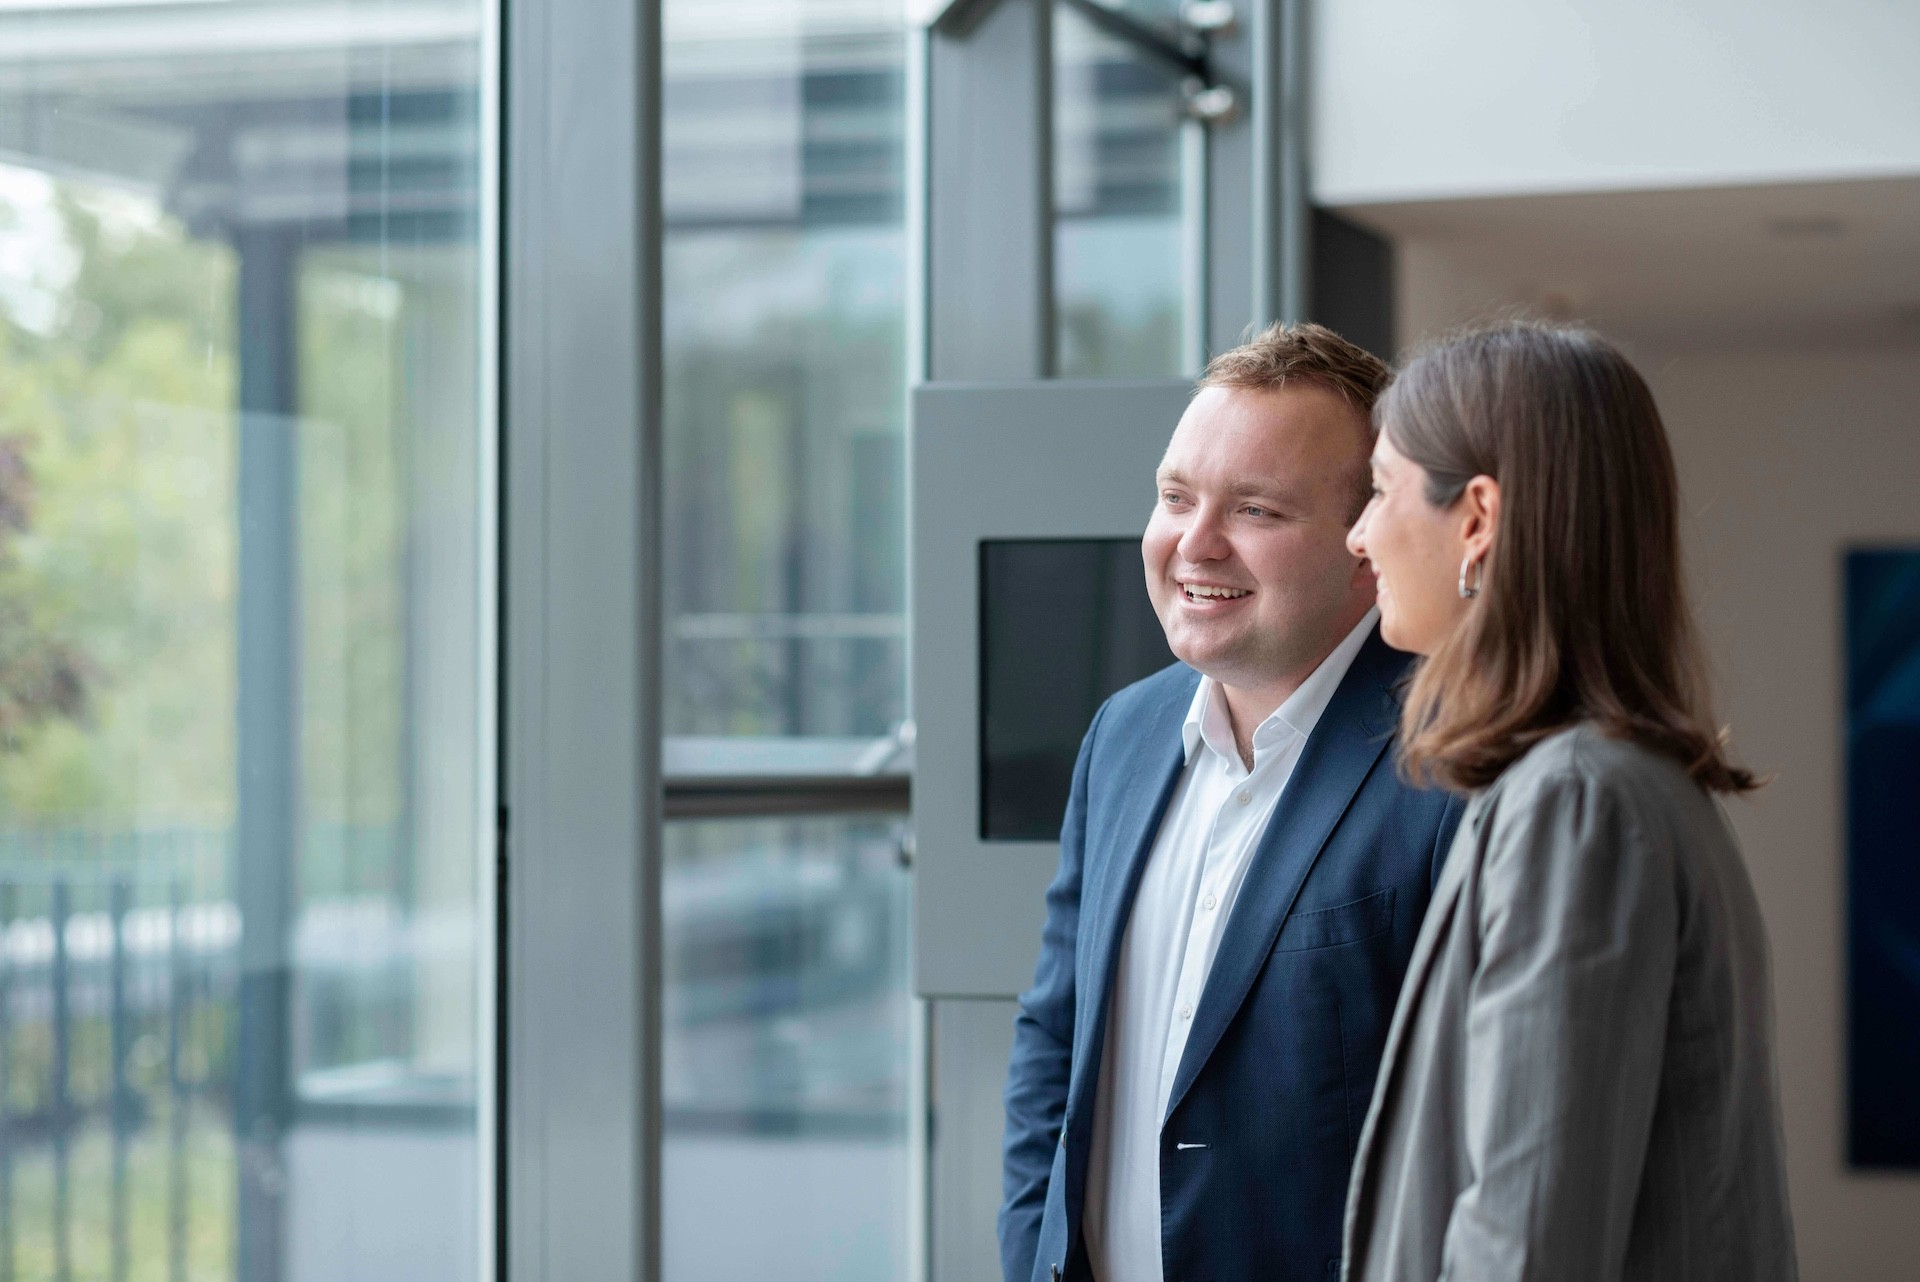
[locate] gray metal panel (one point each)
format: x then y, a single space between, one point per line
989 203
1036 460
972 1041
582 730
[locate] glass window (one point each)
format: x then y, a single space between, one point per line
1117 183
785 384
785 1051
245 765
786 999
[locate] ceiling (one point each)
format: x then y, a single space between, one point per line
1820 263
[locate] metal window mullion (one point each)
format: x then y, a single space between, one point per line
989 292
1279 166
581 622
1257 202
1195 252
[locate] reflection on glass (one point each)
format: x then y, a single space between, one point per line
1117 242
242 760
785 1051
784 326
786 987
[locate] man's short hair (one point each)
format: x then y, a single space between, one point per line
1283 355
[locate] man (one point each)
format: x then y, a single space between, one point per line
1242 872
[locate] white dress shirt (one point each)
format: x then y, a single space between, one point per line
1213 825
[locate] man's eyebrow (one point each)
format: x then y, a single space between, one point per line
1287 495
1242 489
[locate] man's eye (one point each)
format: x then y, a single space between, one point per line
1168 496
1257 511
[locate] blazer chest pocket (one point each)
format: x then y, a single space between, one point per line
1341 924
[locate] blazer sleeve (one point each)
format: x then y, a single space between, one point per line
1578 920
1042 1060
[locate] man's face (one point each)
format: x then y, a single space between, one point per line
1246 555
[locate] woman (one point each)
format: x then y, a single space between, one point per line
1578 1082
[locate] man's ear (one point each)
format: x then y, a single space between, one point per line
1480 515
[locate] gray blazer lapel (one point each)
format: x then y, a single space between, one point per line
1352 734
1446 898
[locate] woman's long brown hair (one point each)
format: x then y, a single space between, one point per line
1582 613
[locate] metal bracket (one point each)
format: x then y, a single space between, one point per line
1212 19
1215 104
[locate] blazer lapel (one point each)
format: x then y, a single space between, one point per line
1446 898
1140 802
1352 734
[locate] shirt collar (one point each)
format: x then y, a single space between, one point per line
1207 720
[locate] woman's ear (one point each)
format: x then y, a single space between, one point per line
1480 506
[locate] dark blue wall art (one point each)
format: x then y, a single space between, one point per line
1883 857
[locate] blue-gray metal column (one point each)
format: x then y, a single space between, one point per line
268 740
988 269
580 858
1258 211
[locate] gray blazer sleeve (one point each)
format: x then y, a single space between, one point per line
1566 1021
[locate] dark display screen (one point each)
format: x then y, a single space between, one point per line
1063 624
1883 877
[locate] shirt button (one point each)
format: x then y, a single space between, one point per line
1244 798
1209 901
1186 1012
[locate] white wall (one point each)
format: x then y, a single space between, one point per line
1414 99
1786 458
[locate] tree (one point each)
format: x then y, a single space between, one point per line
42 675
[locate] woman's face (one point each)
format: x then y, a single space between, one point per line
1416 550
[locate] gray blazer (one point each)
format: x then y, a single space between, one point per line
1578 1081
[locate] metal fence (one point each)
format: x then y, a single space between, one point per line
119 979
96 960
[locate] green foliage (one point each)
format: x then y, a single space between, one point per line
123 588
353 525
123 406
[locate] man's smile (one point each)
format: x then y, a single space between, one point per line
1210 592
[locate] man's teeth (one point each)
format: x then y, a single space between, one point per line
1202 590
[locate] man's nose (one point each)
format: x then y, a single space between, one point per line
1203 539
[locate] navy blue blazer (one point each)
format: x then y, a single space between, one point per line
1279 1065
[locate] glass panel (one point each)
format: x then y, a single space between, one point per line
1117 235
785 321
245 786
786 984
785 1051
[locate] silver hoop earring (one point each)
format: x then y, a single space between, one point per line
1468 591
